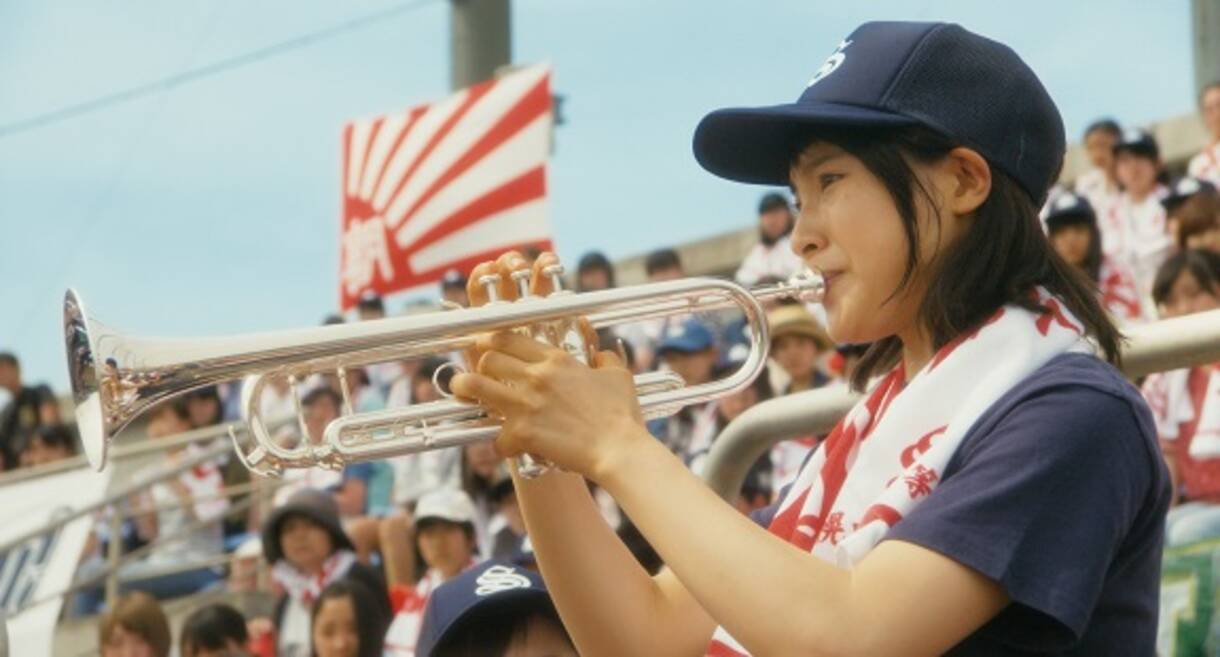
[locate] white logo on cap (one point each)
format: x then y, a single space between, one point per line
676 331
832 64
1065 201
1188 186
500 578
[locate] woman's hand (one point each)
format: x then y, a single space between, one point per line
580 417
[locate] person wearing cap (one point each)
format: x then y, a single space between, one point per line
1134 231
689 350
445 540
308 549
1071 226
1098 184
495 609
1193 208
453 289
772 256
1206 164
797 341
997 490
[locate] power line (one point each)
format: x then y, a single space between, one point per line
208 70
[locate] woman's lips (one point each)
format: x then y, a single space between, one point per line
828 279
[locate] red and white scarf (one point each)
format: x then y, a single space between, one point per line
889 453
306 588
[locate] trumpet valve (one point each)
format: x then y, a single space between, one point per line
491 284
522 279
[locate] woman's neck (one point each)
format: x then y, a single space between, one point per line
917 350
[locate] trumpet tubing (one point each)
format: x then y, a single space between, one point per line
115 377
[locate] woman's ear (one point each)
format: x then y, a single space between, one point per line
968 180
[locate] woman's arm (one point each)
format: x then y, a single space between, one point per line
776 599
772 597
607 600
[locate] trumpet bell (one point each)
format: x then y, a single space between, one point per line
86 382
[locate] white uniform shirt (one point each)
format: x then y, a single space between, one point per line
1097 189
1135 234
776 260
1206 165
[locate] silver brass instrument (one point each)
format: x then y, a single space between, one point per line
115 378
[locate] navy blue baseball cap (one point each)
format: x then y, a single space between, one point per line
1068 208
487 586
1139 142
972 90
1184 188
687 337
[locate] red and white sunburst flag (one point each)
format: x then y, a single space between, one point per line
445 185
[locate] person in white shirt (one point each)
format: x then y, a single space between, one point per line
772 257
1134 229
444 535
1206 165
1099 184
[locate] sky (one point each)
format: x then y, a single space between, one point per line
212 208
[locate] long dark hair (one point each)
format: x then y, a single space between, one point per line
999 261
371 619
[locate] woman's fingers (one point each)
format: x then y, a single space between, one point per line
506 265
474 291
484 390
501 366
540 283
518 346
608 360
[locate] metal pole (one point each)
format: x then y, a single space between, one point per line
1205 32
480 40
1157 347
114 554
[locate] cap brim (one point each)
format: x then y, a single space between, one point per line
756 144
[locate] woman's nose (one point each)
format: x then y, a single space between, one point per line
807 238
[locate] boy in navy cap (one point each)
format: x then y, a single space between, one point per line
496 609
1071 226
688 349
1193 208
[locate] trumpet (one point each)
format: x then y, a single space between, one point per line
115 377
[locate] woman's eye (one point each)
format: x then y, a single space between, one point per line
826 179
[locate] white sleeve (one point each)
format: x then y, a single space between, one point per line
753 267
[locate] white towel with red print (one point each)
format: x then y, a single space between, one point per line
888 454
1119 292
306 588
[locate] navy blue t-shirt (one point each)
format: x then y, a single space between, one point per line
1058 493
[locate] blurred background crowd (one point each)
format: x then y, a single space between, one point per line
358 553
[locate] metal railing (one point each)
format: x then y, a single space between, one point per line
117 453
258 490
1156 347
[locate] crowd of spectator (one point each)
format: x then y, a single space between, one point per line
401 556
